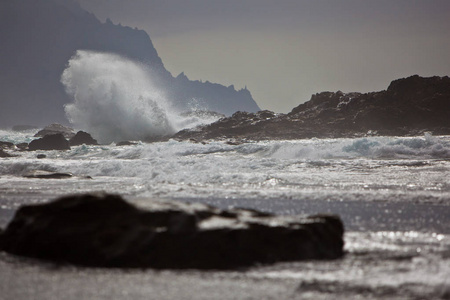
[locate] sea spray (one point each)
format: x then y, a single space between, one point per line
115 98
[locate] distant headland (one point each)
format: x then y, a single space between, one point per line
410 106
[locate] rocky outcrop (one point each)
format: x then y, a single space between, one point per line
410 106
6 145
82 138
67 132
106 231
50 142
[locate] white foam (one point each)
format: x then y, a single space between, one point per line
117 99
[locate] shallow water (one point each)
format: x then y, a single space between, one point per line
392 193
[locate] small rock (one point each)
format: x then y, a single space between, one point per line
50 142
5 154
47 175
40 156
82 138
67 132
6 145
126 143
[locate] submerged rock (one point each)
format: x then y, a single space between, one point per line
67 132
82 138
106 231
47 175
5 154
126 143
50 142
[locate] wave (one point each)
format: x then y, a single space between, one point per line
115 99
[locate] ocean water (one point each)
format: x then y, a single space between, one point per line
393 194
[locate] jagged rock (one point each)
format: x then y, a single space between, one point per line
106 231
47 175
410 106
67 132
50 142
82 138
6 145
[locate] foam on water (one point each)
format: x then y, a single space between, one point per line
117 99
392 193
374 168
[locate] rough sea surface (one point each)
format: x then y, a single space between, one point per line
393 194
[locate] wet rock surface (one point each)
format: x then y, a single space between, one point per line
410 106
47 174
67 132
6 145
81 138
106 231
50 142
5 154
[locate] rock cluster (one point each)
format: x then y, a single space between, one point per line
410 106
106 231
50 142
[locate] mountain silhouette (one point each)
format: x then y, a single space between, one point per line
38 37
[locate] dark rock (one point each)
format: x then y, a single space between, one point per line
50 142
106 231
5 154
23 127
67 132
126 143
22 146
40 156
82 138
6 145
409 106
47 175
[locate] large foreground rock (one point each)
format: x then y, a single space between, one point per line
106 231
50 142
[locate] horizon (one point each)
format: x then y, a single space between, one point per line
284 52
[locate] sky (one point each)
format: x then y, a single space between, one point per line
284 51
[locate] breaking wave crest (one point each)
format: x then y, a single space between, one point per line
116 99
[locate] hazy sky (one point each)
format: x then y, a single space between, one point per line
286 50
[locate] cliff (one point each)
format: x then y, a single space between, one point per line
38 37
410 106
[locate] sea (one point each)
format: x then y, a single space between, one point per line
392 193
